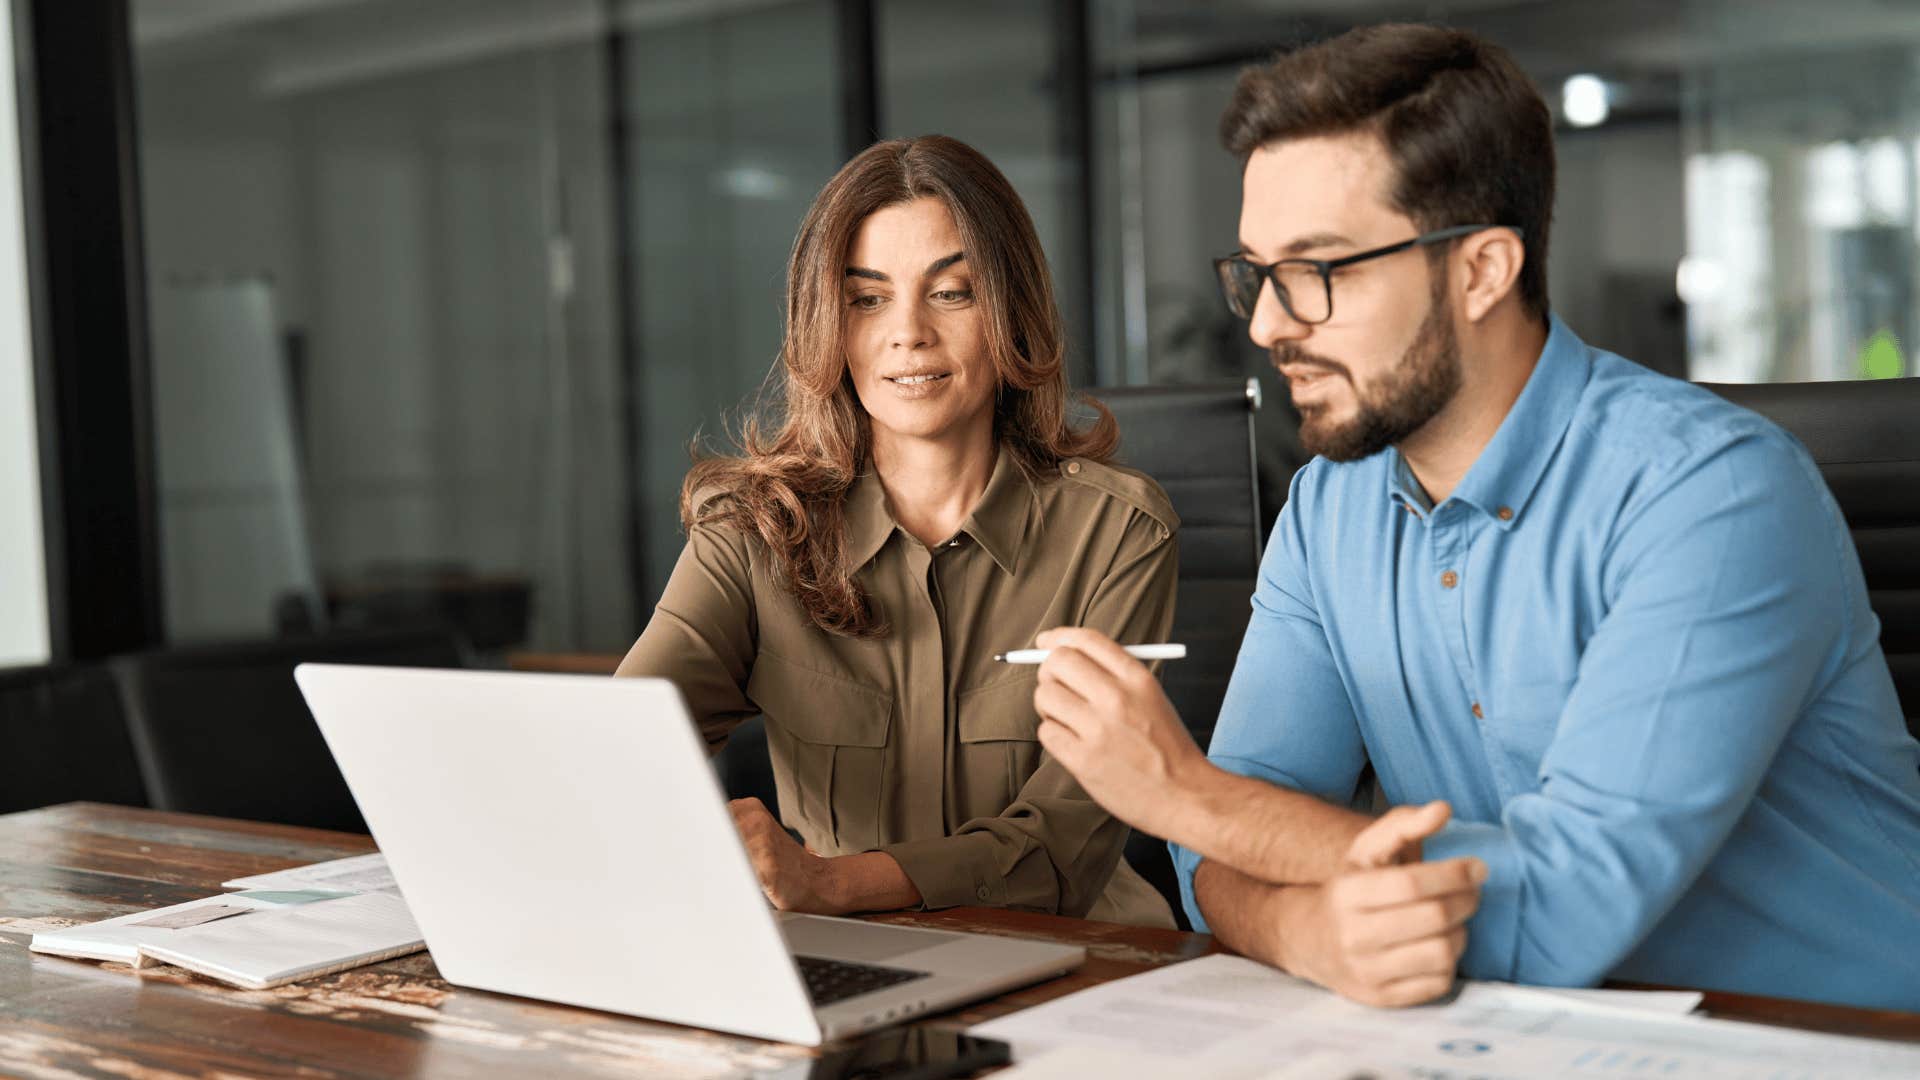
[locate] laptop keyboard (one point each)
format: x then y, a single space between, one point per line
829 981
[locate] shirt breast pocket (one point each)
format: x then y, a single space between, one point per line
827 737
999 742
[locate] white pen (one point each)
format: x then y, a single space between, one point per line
1169 651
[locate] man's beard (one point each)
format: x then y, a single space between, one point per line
1396 406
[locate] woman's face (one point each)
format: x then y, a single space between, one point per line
914 332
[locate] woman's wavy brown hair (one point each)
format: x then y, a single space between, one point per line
787 484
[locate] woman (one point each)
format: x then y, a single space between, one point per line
923 504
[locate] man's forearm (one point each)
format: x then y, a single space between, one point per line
1247 915
1263 830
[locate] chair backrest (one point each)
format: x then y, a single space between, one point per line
1865 436
65 739
1197 441
222 729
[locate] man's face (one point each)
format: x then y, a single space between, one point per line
1387 360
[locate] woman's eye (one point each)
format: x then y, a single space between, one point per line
866 302
953 296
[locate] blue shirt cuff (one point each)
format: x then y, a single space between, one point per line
1184 864
1494 930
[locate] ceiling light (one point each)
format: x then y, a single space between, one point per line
1583 100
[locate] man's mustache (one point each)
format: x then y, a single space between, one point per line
1288 354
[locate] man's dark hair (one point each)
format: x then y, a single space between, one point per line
1470 138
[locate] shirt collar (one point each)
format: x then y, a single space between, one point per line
1505 475
998 522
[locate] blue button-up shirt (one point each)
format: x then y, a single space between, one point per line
1633 649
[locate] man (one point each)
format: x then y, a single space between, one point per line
1612 625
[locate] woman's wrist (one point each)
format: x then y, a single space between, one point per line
869 881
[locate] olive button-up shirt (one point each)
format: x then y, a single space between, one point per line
918 743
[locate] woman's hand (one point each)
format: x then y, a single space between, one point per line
797 878
793 878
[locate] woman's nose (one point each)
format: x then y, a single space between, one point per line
910 328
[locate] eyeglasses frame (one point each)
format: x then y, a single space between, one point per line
1326 267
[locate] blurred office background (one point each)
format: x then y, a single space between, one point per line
357 313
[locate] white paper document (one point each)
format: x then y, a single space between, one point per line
1080 1062
266 949
119 939
1227 1016
359 873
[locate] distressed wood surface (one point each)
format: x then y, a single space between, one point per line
63 1018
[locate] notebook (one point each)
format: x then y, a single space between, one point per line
119 939
358 873
252 940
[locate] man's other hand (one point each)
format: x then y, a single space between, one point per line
1390 930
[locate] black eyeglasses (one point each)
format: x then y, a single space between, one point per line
1305 286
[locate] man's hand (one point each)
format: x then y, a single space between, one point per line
1104 717
1389 932
793 878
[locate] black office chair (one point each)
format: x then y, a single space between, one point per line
222 729
1198 442
745 766
1865 436
65 739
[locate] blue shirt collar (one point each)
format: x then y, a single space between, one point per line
1506 473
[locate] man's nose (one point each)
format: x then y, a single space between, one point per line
1272 323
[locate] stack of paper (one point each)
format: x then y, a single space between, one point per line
286 931
1226 1016
359 873
283 946
119 939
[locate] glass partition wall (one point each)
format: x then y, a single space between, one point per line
441 291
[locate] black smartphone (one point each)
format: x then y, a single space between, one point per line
910 1053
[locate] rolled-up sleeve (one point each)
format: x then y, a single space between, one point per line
701 635
1054 849
1726 598
1287 718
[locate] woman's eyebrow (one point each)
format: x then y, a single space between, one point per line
932 268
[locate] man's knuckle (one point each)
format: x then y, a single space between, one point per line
1395 888
1416 991
1431 915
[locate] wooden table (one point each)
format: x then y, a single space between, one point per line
81 862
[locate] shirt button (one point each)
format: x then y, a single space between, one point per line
1477 714
1449 579
1505 513
981 892
1073 469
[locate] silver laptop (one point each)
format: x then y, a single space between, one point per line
563 837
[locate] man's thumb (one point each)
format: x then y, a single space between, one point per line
1395 837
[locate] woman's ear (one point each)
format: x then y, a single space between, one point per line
1490 263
